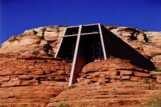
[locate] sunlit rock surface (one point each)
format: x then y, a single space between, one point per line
30 76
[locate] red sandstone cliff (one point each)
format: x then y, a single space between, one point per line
31 77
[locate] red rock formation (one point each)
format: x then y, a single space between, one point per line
31 80
31 77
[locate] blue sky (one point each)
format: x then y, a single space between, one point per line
18 15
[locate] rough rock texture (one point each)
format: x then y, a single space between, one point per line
31 81
111 83
31 77
112 70
41 41
117 94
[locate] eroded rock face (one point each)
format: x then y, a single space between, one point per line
32 80
30 76
113 70
41 41
112 82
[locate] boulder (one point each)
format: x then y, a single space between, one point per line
50 36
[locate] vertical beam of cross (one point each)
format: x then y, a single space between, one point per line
102 42
71 78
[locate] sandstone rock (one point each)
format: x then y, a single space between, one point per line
91 67
154 73
103 81
29 82
25 43
156 58
114 70
29 32
130 34
157 76
54 44
26 77
38 72
52 28
4 78
112 74
158 79
50 36
155 38
11 83
6 72
134 78
39 31
39 92
142 74
53 83
20 72
51 105
116 77
141 37
31 42
60 78
43 42
125 77
28 40
126 72
40 78
61 72
151 50
30 77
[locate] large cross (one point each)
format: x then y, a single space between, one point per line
85 43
